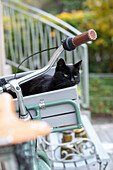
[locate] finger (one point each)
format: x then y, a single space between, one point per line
30 130
6 104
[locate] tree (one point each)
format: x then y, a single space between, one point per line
103 23
56 6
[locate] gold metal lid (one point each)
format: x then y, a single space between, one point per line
78 130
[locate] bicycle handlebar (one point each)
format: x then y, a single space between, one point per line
85 37
71 43
67 44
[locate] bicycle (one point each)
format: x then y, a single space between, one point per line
34 158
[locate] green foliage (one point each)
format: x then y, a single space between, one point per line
56 6
103 24
101 98
69 5
99 16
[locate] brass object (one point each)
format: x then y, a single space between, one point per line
67 137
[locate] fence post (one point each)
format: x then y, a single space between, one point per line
4 69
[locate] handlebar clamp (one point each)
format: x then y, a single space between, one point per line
68 44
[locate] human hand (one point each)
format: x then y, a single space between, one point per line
14 130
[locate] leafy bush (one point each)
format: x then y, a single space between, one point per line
101 98
98 16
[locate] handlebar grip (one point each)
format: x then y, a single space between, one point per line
71 43
90 35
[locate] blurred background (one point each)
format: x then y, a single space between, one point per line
83 15
19 21
33 25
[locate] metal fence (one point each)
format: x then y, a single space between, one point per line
28 30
